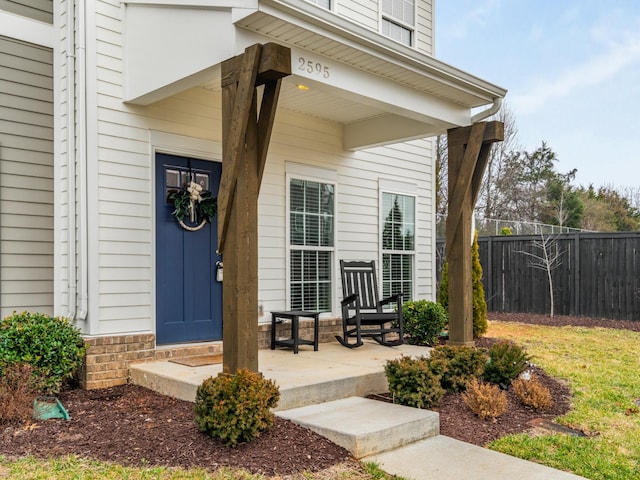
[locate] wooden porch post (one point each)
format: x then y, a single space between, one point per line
469 149
245 140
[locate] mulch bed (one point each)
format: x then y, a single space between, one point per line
564 321
131 425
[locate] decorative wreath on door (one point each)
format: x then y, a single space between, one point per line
193 206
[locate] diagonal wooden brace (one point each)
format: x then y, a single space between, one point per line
234 144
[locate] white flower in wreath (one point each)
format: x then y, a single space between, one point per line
193 201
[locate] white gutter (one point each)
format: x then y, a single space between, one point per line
71 162
493 109
81 157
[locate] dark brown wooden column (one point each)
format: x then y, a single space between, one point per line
245 138
469 149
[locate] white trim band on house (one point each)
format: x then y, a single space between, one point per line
27 30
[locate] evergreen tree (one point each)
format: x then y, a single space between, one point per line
443 288
479 303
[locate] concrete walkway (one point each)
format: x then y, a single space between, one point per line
323 391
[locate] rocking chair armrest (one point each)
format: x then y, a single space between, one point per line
353 298
397 299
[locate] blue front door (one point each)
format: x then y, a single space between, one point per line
188 296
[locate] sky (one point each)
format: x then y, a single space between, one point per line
572 71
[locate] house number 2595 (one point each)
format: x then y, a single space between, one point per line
313 68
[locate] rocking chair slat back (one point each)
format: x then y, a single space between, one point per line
363 314
360 278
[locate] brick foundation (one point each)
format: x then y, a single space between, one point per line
108 358
328 329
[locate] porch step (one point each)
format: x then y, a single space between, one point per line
364 426
297 388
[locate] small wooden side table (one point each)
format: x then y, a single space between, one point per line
295 340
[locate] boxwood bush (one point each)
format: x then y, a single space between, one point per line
413 383
457 365
236 408
424 321
51 345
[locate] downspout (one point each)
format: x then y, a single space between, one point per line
81 158
493 109
478 117
71 161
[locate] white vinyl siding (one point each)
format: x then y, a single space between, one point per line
424 26
26 177
363 12
41 10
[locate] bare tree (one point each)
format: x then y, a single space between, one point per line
442 187
632 194
492 197
547 257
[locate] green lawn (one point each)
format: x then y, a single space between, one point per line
72 468
602 367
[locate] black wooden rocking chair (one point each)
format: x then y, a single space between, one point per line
363 314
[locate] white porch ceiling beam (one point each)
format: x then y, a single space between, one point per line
383 130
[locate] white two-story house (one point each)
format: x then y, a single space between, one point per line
110 105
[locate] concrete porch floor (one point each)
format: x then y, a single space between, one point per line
306 378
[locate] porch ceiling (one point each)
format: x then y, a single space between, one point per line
380 91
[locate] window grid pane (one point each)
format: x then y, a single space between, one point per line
311 209
311 280
311 213
398 236
397 275
401 10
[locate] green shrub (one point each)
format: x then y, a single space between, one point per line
51 345
413 383
506 231
423 321
457 365
506 361
236 408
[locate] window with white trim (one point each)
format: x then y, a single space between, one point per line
398 20
311 240
322 3
398 244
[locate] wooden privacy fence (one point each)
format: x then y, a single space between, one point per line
597 275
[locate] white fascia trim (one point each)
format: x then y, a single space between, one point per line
394 186
301 170
27 30
217 4
378 45
182 145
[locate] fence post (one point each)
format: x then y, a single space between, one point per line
576 277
